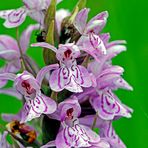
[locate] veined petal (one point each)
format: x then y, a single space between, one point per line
41 74
59 78
14 18
44 45
41 104
105 37
97 23
81 20
112 70
109 77
85 77
71 79
108 107
93 44
76 136
25 37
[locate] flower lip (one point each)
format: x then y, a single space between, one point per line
25 84
70 113
67 53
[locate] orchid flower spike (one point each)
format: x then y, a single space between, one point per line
36 102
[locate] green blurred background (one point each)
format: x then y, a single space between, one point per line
128 20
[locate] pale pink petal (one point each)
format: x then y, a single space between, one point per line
12 92
8 44
121 83
25 37
81 20
108 107
7 76
44 45
76 136
105 37
97 23
11 117
33 4
14 18
38 16
85 76
114 51
56 80
114 43
60 141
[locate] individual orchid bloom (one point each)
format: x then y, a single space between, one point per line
3 141
105 103
69 76
27 85
106 130
108 76
74 134
90 40
36 102
10 51
34 8
108 107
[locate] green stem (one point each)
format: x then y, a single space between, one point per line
95 121
23 65
54 95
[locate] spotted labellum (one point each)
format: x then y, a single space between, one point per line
64 103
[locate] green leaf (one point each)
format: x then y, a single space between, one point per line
50 14
49 55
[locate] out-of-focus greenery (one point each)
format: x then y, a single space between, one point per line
128 20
